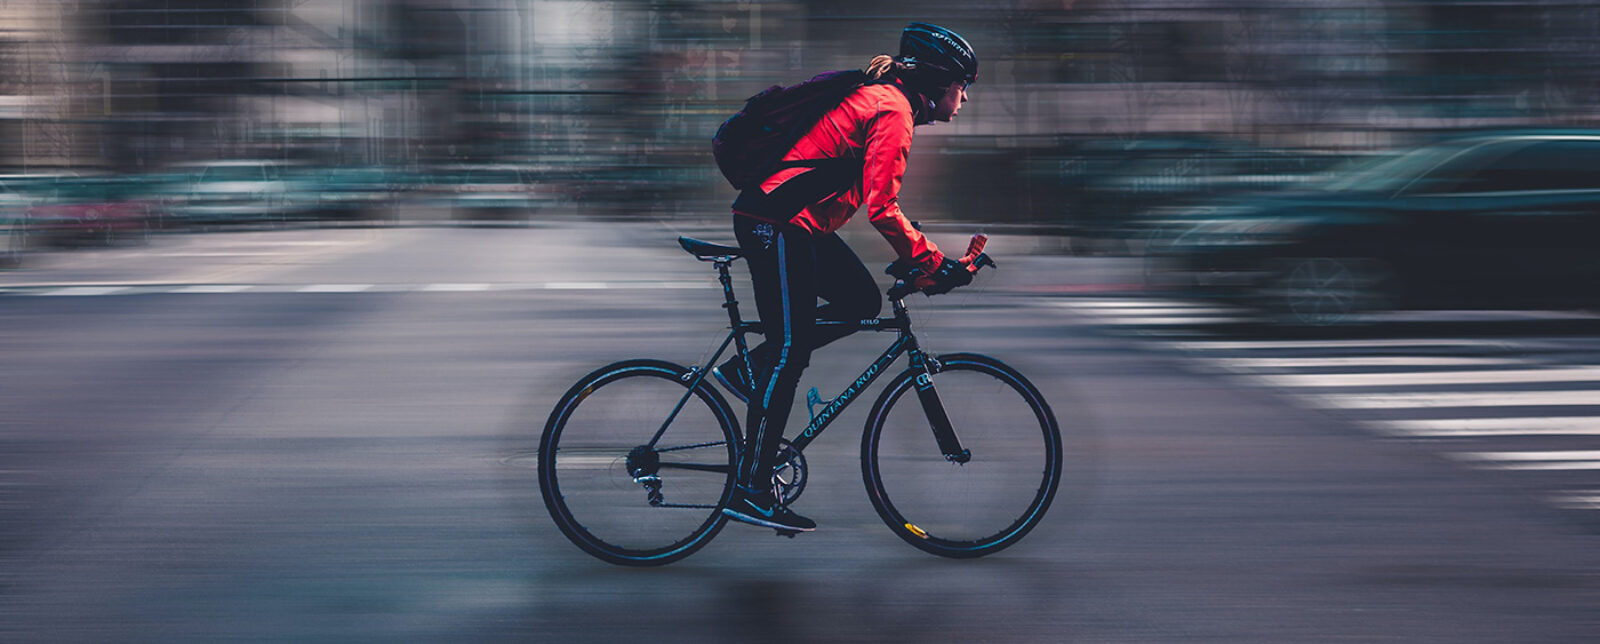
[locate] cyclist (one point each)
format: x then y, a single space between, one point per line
787 232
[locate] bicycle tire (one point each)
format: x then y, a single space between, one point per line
945 508
588 448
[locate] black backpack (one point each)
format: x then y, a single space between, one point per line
750 143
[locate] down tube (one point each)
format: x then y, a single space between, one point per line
828 413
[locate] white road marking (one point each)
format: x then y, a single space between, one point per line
1509 376
1131 303
1578 501
1224 345
1469 427
587 462
456 288
334 288
285 242
1455 399
213 288
1360 361
217 254
1553 466
1569 455
1142 311
1533 461
76 291
85 289
1157 320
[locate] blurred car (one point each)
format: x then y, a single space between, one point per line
1499 221
1094 190
15 233
351 193
241 191
476 192
93 209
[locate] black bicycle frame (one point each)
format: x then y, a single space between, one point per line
938 421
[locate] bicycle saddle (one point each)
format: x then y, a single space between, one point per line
708 250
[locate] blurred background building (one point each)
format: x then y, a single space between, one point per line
1085 109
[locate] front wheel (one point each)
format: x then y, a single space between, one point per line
618 491
974 508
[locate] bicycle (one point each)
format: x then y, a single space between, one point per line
638 458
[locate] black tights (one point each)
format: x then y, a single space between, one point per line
790 269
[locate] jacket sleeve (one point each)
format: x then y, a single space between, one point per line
888 144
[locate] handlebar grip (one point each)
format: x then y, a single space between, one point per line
976 245
974 250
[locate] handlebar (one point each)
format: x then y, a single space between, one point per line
907 276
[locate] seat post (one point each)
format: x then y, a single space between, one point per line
729 301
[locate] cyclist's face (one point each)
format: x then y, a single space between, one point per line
954 95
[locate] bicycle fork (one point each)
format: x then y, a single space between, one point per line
933 408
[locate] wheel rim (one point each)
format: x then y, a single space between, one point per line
1323 291
584 464
984 505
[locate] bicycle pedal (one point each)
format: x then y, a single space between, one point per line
786 533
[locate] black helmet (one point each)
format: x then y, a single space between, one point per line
938 54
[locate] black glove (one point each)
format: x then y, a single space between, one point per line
951 274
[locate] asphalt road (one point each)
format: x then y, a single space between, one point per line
325 436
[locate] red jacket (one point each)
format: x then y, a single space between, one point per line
873 124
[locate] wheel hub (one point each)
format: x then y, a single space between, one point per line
643 461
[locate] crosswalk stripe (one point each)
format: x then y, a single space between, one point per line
1551 466
1159 320
1227 345
1452 373
1455 399
1144 311
1175 305
1565 455
1360 361
1578 500
1533 461
1508 376
1473 427
1147 313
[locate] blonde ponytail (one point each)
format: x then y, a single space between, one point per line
880 64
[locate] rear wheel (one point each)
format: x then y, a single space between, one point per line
985 504
617 495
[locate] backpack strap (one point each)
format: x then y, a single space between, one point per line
826 178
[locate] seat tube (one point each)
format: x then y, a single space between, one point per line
735 320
